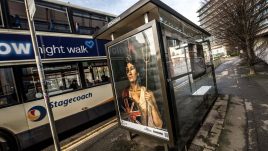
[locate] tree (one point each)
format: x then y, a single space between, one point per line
238 23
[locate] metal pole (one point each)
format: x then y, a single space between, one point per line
166 147
42 80
129 134
112 36
146 18
212 67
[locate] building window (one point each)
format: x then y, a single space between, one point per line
8 93
60 79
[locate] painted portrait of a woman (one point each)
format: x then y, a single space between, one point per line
138 102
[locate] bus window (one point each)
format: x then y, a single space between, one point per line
60 79
8 94
87 23
98 21
82 22
110 18
1 17
96 73
17 14
89 76
51 18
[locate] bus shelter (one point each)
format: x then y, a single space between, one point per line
162 72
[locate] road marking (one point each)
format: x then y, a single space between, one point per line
224 73
249 106
72 145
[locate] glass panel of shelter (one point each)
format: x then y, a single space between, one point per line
192 83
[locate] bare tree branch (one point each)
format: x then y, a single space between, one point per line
238 24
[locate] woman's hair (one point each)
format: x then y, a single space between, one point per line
135 62
134 53
139 66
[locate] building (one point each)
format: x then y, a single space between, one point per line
206 14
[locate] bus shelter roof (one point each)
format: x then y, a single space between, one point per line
125 21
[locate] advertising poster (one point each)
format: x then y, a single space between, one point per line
19 47
137 84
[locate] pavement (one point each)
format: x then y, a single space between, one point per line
207 138
250 109
238 120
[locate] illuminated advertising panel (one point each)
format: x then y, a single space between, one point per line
137 85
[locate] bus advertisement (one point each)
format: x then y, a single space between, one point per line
74 64
76 72
14 47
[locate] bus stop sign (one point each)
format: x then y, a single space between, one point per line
32 8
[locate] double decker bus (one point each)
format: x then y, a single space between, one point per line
75 68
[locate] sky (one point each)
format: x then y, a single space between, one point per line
187 8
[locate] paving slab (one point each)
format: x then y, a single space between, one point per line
208 135
233 137
233 78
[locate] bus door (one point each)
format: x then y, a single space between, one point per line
12 111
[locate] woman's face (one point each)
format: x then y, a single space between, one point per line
132 73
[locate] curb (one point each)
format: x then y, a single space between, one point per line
251 128
90 137
208 135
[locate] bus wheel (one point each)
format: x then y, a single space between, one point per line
7 142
